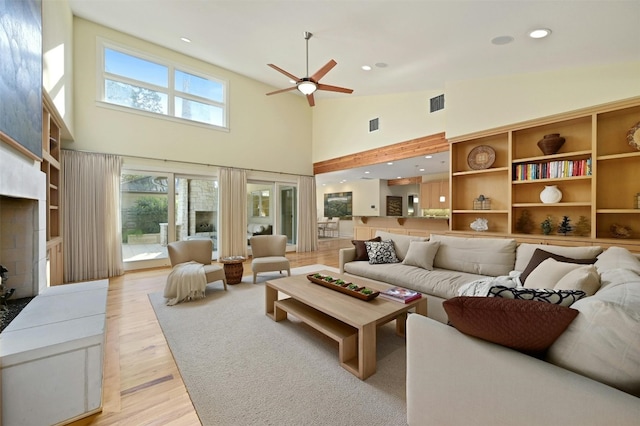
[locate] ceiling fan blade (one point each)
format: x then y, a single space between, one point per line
324 70
312 101
288 74
334 88
282 90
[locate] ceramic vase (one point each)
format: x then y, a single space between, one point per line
551 143
551 194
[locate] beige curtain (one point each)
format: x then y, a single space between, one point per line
91 216
232 235
307 214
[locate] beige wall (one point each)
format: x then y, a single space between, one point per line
57 58
476 105
341 125
266 133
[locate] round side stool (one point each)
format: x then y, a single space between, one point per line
233 268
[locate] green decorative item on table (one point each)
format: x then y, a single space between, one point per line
547 225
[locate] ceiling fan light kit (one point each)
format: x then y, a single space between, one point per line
309 84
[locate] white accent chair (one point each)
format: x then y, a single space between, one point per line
198 251
268 252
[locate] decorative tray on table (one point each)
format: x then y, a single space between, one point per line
342 286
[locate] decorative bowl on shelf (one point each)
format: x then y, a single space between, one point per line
551 143
620 231
481 157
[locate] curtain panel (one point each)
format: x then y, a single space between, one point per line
307 214
232 235
91 216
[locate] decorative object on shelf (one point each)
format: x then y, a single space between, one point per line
482 203
620 231
480 224
551 194
565 227
551 143
525 225
547 225
583 227
636 200
481 157
633 136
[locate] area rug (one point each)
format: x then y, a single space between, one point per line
242 368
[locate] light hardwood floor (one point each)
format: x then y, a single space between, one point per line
142 384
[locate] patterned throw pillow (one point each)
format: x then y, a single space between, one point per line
381 252
361 250
555 297
529 327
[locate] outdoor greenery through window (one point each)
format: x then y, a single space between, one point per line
132 81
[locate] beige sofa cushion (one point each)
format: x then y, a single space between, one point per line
400 242
549 273
602 342
483 256
525 252
585 278
421 254
618 257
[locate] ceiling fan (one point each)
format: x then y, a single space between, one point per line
308 85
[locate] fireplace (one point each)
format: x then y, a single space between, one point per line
23 249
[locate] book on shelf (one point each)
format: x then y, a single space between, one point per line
400 294
552 169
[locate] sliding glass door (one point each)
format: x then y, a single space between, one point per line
196 209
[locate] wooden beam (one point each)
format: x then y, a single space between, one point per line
405 181
399 151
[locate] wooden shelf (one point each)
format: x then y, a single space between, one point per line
604 198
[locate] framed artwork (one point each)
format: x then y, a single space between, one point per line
21 76
394 205
338 204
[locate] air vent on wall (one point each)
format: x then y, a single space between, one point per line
437 103
373 125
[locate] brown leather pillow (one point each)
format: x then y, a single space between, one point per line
524 325
361 250
540 256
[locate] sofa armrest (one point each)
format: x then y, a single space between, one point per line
455 379
346 255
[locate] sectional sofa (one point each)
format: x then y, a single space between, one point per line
588 375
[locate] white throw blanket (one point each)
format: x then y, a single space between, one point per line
482 286
186 281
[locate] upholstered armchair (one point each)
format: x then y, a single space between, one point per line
197 251
268 253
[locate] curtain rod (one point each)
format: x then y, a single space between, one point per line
184 162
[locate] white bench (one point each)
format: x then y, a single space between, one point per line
52 356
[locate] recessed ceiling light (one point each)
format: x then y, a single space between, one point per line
428 156
366 67
186 40
381 65
539 33
399 177
422 170
390 163
367 172
500 40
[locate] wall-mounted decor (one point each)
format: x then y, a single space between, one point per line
394 206
21 76
338 204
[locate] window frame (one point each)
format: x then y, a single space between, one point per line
102 75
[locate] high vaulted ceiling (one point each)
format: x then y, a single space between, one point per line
423 43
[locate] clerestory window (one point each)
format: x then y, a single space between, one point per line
134 80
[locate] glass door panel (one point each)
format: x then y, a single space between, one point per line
287 224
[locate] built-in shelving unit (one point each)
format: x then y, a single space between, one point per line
51 140
600 184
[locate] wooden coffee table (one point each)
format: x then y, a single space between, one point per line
350 321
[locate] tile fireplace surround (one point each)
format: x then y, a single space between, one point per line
23 245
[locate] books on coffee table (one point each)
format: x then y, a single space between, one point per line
400 294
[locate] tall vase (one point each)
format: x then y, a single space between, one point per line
550 194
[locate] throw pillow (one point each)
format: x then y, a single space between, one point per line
526 326
584 278
481 256
548 273
421 254
540 256
556 297
361 250
525 252
618 257
381 252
